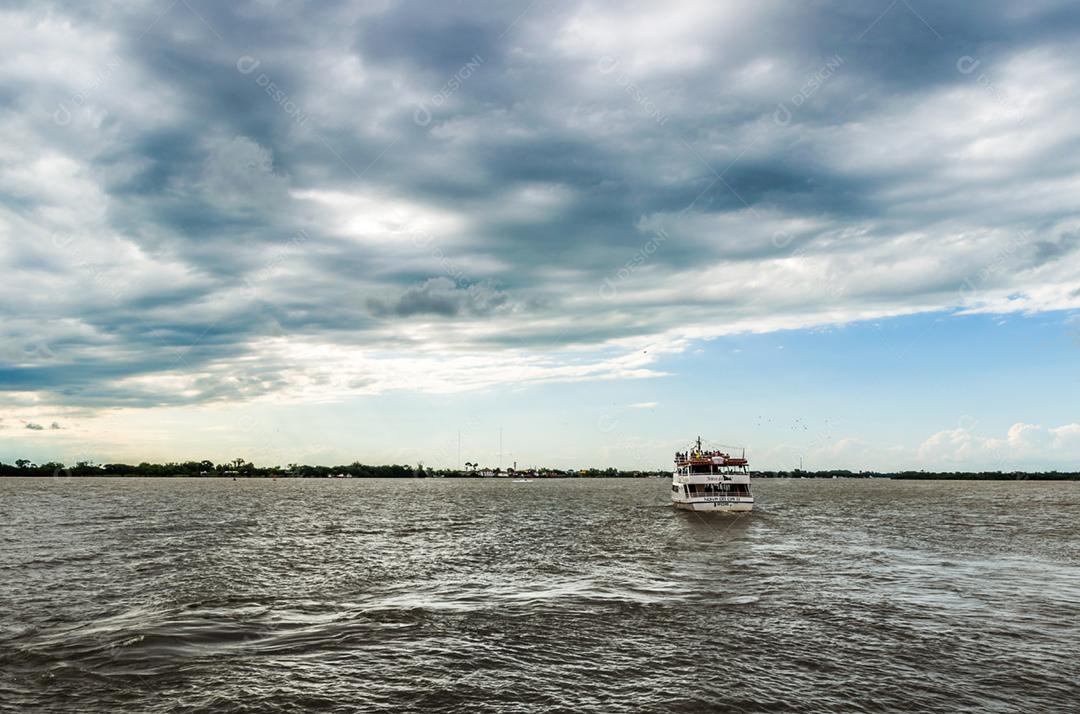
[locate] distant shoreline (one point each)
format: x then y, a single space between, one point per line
240 469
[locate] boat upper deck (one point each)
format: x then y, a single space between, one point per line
708 458
706 466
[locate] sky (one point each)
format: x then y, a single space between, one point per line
838 234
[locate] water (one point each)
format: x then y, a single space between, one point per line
158 595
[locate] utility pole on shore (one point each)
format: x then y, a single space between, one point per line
500 448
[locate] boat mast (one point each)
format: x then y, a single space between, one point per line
699 444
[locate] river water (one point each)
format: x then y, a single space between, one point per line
190 595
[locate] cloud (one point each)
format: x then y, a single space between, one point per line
441 297
188 219
1022 444
643 405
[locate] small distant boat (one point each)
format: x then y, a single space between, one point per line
711 481
522 480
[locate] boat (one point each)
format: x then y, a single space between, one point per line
711 480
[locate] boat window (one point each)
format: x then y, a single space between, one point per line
722 489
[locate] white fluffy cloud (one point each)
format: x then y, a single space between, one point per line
1023 444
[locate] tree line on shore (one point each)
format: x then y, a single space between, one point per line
239 468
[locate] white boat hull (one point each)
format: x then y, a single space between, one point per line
715 506
717 492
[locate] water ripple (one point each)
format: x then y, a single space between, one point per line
576 596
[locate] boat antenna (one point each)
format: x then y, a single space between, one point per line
699 443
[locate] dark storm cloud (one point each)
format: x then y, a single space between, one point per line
435 37
441 297
1046 251
238 174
